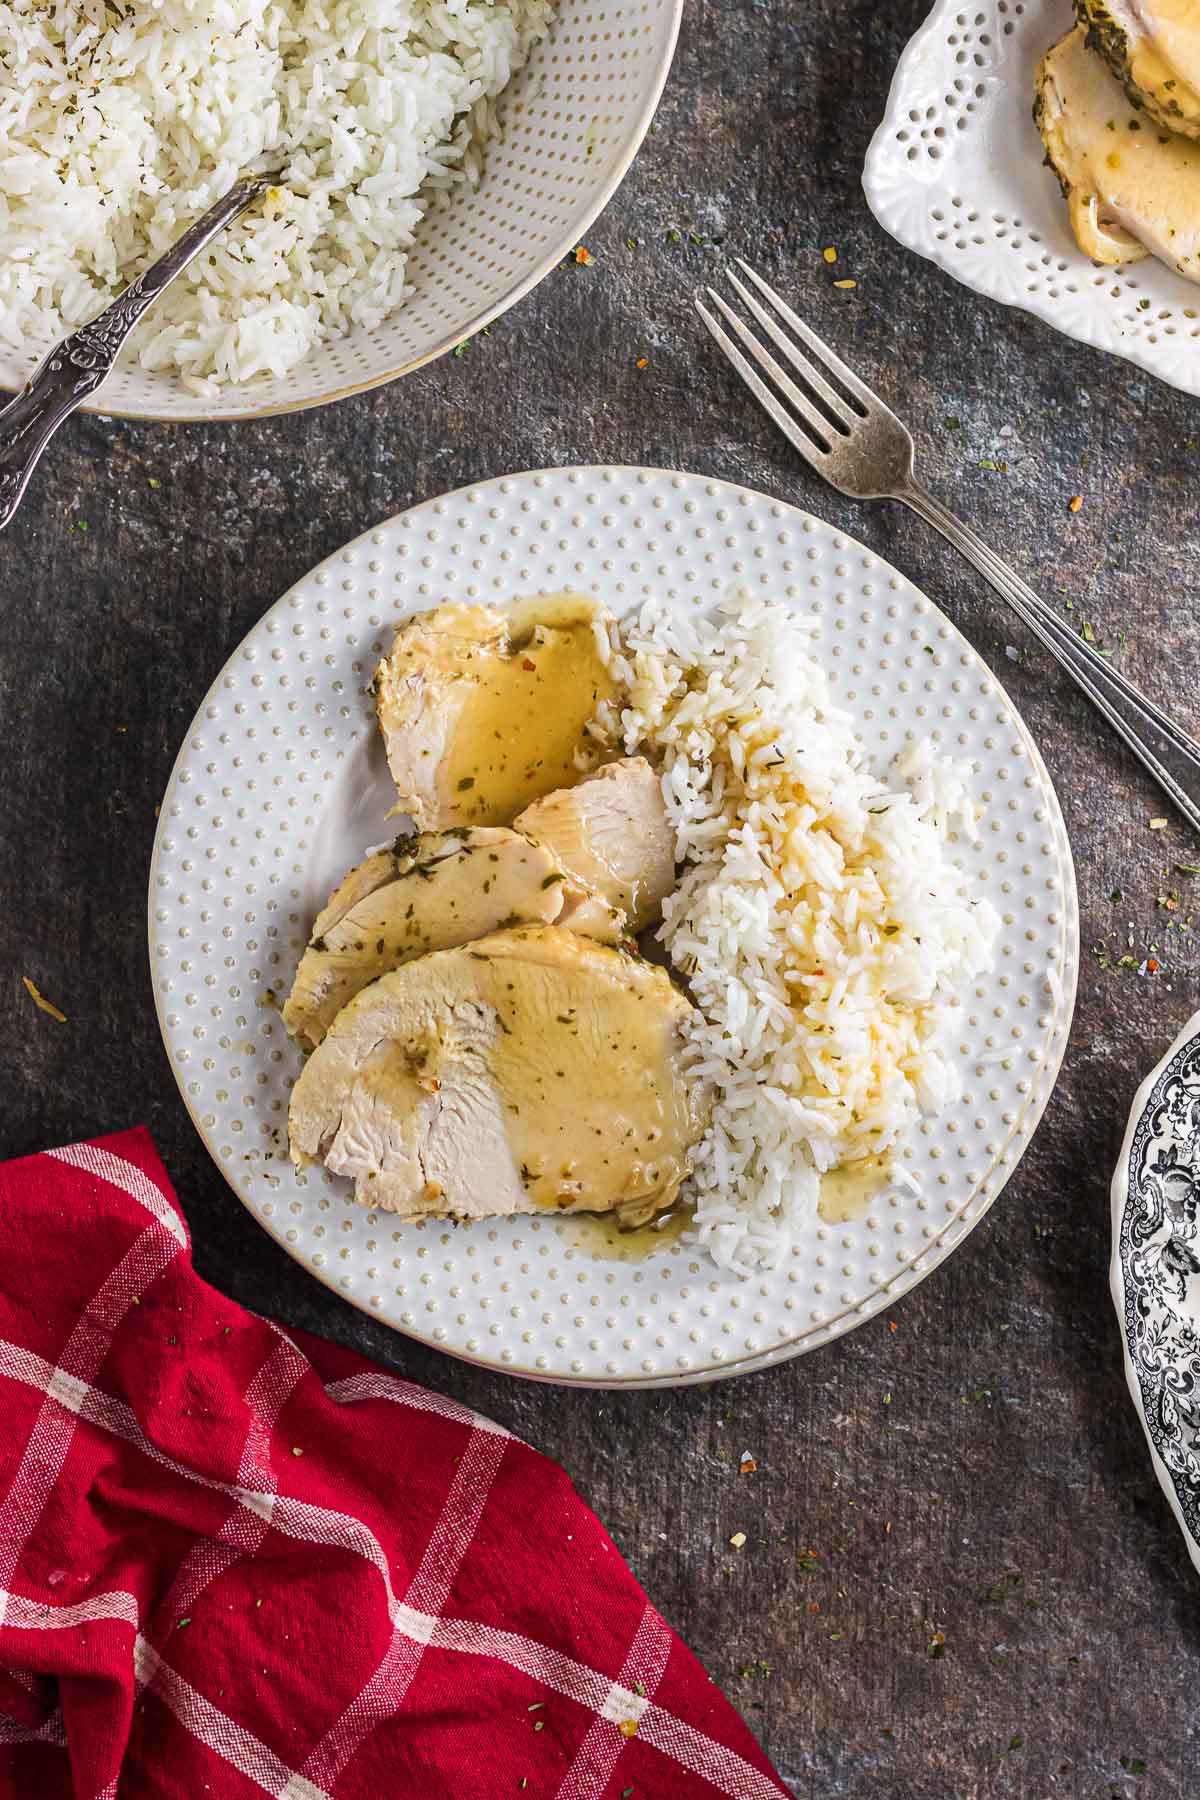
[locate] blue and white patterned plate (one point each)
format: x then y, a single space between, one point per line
1156 1271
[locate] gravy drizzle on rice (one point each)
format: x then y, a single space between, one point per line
820 920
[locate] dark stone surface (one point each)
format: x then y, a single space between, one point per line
991 1431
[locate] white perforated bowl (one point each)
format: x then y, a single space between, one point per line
280 785
571 123
956 171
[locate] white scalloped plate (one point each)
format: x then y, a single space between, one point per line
956 172
279 786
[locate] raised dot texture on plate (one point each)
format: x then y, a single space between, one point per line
273 833
956 171
571 122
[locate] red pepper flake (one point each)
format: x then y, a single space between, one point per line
814 1606
528 663
1152 965
628 1728
892 1325
747 1466
641 362
584 256
1075 502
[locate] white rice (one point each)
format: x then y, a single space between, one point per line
122 120
820 923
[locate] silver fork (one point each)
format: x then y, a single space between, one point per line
77 366
849 436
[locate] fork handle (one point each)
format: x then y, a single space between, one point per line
1160 745
78 365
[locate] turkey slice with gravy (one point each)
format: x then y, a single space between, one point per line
427 893
483 711
1131 189
532 1071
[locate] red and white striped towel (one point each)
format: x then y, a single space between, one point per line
235 1562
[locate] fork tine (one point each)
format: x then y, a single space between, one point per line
833 363
798 439
813 418
844 413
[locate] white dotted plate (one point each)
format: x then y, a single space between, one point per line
956 171
280 786
571 123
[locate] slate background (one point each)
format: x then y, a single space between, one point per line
992 1428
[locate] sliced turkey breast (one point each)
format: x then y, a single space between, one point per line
612 837
429 892
1153 49
482 711
1131 189
532 1071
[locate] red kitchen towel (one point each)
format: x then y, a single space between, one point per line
234 1562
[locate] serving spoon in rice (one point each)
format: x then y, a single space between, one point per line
77 366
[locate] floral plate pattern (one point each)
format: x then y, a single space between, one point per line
1156 1271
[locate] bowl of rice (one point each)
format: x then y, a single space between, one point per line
441 157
